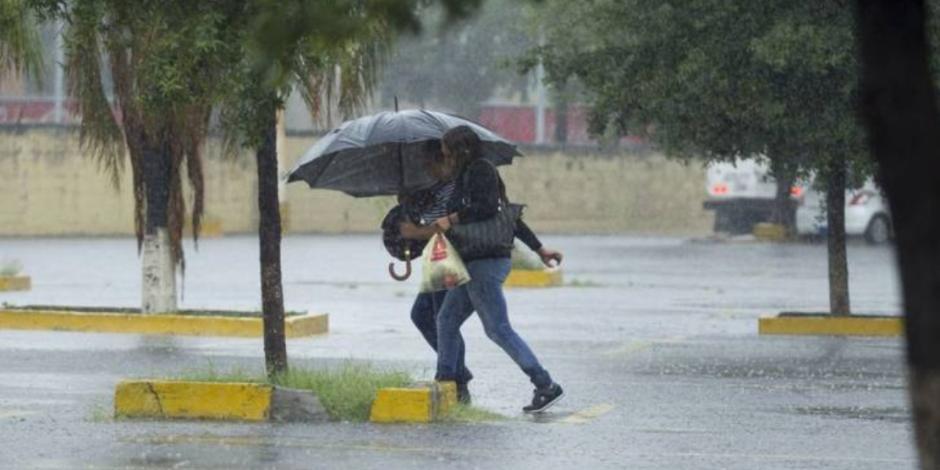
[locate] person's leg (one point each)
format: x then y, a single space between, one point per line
423 314
464 375
454 311
485 292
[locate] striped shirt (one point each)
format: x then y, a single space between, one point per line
438 207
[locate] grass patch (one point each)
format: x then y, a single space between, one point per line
469 414
583 283
10 268
347 392
100 413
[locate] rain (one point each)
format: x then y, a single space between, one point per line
469 234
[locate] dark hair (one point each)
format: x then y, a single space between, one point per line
464 144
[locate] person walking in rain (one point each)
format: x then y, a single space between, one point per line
432 205
477 196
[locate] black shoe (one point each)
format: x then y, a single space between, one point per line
463 394
544 398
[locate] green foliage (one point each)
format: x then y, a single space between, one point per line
10 267
470 414
19 39
168 63
347 392
283 24
716 79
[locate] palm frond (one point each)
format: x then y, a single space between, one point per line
341 75
99 130
20 49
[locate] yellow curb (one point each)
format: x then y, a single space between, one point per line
192 400
422 403
834 326
770 232
15 283
306 325
156 324
534 278
211 228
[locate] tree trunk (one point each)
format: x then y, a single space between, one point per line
784 212
158 287
900 114
838 259
269 233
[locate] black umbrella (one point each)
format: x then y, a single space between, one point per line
386 153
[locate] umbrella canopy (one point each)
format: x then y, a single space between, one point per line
387 153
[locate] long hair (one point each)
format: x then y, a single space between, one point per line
463 144
466 147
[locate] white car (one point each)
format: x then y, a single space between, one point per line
866 214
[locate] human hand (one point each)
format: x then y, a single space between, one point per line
548 255
443 223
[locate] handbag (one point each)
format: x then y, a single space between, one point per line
443 268
496 234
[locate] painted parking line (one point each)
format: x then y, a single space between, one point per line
292 442
5 414
588 414
634 347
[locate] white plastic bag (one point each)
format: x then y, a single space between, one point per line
443 268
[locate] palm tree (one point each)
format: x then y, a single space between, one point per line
19 39
167 61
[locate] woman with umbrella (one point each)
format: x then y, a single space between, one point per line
478 196
431 205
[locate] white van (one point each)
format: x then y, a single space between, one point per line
742 194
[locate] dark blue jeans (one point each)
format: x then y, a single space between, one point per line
484 293
424 316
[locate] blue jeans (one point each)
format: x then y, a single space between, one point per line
424 316
484 293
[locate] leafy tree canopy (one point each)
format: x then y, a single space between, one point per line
716 79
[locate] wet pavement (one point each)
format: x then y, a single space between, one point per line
653 339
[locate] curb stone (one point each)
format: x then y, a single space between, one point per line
829 325
224 401
156 324
420 403
15 283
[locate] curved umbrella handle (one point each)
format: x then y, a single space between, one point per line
396 276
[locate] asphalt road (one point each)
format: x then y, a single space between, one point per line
654 340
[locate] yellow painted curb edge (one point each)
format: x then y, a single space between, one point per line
534 278
831 326
192 400
15 283
307 325
422 403
157 324
770 232
211 228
